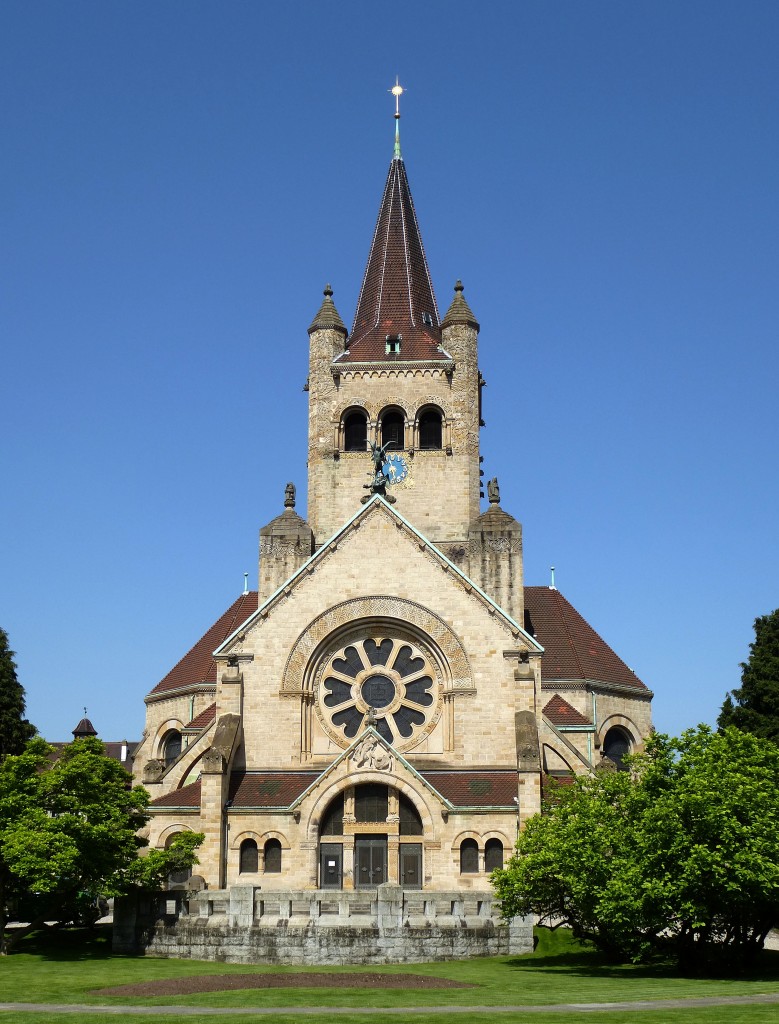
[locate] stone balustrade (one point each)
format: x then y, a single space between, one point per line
388 924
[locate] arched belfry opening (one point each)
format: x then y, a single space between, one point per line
369 834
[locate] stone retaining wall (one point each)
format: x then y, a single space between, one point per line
386 925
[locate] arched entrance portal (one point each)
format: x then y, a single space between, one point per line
370 834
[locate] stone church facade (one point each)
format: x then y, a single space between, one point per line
390 703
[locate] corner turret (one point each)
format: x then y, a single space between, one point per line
285 544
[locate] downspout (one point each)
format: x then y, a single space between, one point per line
225 837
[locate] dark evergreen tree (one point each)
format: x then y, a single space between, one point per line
754 707
15 730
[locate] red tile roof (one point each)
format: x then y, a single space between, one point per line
560 712
551 782
572 648
201 721
248 789
198 666
397 294
475 789
187 796
280 789
269 789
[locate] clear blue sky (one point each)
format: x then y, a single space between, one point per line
179 181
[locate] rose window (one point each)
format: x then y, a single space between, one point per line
391 678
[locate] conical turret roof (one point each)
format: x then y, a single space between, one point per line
396 298
459 311
328 316
84 728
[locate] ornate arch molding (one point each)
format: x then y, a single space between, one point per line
637 740
430 402
171 830
235 841
323 799
325 632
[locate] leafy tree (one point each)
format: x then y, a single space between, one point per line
15 730
754 707
679 853
68 832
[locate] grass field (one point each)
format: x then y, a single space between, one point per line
67 968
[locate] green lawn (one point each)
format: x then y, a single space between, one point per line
713 1015
67 968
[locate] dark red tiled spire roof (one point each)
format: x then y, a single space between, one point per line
397 294
560 712
198 665
572 648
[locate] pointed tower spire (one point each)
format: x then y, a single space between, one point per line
397 315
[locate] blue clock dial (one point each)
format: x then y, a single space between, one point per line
395 468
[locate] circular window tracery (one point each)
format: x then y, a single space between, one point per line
394 678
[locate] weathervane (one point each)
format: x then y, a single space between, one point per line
397 91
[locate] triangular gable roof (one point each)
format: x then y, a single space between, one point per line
344 755
377 503
560 712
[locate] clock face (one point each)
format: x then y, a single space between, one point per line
395 468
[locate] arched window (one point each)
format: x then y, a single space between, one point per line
493 854
392 429
469 857
273 856
171 746
617 743
356 432
430 429
249 858
183 874
410 822
333 820
371 802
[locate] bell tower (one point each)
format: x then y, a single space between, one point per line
403 379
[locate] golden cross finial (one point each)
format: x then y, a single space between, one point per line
397 91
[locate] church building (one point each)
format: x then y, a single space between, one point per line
391 702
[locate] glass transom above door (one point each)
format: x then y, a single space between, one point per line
391 677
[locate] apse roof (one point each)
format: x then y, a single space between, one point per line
198 665
573 651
